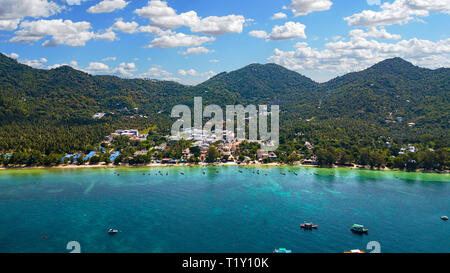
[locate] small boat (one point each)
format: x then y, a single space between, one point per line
182 173
112 231
266 174
167 173
240 171
282 250
359 229
295 174
308 226
354 251
445 218
283 173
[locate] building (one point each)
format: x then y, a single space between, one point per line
88 156
262 154
308 145
113 157
98 115
129 133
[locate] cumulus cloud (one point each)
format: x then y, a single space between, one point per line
373 32
13 55
359 53
127 27
109 59
62 32
108 6
153 30
193 73
214 25
155 72
39 63
12 11
165 17
304 7
373 2
179 40
278 15
125 69
398 12
95 67
197 51
74 2
288 31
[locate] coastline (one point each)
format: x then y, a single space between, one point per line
112 166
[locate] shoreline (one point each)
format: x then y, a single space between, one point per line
112 166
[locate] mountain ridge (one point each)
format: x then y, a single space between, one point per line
367 101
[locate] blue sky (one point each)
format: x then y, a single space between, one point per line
190 41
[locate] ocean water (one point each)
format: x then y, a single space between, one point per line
223 210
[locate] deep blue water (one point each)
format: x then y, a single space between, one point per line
226 211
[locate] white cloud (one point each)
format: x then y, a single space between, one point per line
193 73
373 32
359 53
62 32
214 61
127 27
108 35
179 40
74 2
155 72
197 51
109 59
13 11
13 55
304 7
278 15
214 25
125 69
290 30
108 6
190 72
258 34
165 17
35 63
95 67
398 12
374 2
152 30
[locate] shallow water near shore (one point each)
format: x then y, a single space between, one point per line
223 210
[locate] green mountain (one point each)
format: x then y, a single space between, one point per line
51 110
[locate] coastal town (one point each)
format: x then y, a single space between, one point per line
196 146
130 147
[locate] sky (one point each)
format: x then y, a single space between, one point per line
189 41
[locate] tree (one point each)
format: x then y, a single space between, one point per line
326 157
212 154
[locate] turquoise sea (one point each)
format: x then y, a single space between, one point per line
223 210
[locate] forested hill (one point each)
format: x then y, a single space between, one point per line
51 110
